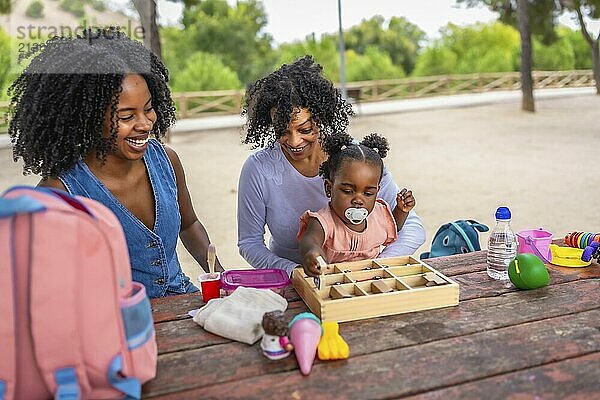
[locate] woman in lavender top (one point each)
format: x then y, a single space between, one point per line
289 111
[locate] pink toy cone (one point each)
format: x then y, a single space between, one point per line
305 333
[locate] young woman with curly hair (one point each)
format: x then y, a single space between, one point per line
289 113
87 115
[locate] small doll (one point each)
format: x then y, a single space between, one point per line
275 344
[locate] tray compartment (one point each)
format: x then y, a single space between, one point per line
347 291
407 277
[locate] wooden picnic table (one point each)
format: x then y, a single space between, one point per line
498 343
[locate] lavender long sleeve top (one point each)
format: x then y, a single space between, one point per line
274 194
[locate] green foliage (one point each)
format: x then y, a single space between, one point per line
324 52
234 32
581 49
4 62
374 64
436 60
542 15
6 6
399 38
204 71
558 56
175 49
35 9
98 5
476 48
75 7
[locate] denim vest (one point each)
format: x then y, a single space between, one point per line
152 252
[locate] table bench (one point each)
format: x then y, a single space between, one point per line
499 342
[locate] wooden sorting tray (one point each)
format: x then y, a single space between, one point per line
374 288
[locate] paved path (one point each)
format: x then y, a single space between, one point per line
460 162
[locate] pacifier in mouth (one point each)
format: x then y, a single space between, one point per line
356 215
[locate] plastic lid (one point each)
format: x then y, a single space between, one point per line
256 278
503 213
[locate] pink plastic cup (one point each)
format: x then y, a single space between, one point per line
210 286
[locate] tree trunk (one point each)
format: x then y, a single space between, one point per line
527 103
593 45
596 64
147 11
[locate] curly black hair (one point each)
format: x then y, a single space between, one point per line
341 148
297 85
59 102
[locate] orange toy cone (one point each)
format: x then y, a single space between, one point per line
305 333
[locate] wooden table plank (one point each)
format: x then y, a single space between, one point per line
573 378
485 338
412 369
173 308
519 306
461 264
479 284
185 334
392 332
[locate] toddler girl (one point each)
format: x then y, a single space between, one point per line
355 223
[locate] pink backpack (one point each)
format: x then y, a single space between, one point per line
72 323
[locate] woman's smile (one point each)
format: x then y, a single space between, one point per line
297 150
138 143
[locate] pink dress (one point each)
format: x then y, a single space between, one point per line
343 244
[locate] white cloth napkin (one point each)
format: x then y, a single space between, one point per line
239 315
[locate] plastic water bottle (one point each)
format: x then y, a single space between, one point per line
502 245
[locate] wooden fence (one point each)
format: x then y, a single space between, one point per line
199 104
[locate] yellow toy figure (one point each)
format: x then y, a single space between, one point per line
332 346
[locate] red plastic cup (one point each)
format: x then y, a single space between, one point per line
210 286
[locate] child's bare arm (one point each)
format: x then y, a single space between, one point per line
405 202
310 247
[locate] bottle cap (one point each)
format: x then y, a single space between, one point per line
503 213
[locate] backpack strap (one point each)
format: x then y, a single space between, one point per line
55 335
19 205
464 235
8 362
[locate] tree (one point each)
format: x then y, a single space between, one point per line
35 9
436 60
587 9
203 71
324 52
581 49
399 38
476 48
373 64
147 11
6 6
234 32
558 56
529 16
527 102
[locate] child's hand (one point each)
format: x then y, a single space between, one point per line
405 200
311 264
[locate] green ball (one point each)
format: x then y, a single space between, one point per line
527 271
